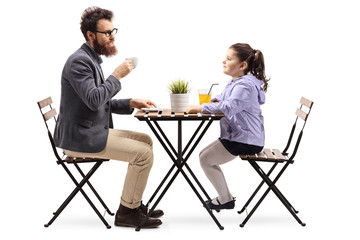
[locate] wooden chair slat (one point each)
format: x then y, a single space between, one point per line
300 113
306 102
45 102
269 154
261 155
243 157
252 156
50 114
278 155
80 159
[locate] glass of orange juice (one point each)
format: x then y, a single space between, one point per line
204 96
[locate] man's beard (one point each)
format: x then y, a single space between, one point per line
103 50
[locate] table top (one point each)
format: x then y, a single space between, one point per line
166 115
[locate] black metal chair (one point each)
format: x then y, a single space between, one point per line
46 103
276 156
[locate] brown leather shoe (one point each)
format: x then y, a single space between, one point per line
155 214
134 218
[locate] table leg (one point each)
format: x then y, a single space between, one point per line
183 152
183 162
160 185
165 190
179 162
168 152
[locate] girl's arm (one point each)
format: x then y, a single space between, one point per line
238 99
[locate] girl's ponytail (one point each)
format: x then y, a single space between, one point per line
258 68
254 59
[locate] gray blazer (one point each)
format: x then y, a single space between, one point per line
86 105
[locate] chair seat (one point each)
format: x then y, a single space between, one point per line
266 155
80 159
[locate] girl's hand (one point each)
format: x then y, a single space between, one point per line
194 109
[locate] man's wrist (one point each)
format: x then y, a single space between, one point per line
131 103
116 76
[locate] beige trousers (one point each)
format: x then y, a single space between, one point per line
134 148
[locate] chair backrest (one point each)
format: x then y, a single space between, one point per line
50 114
303 115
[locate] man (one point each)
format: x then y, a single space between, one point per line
84 127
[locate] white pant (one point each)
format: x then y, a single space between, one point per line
211 157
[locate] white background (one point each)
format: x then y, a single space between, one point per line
311 49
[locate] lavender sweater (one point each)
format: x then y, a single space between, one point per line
240 103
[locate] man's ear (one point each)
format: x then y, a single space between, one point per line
90 35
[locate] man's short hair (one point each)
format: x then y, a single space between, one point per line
90 18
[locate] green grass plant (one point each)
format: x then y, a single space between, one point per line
179 86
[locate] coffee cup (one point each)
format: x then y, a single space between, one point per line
134 60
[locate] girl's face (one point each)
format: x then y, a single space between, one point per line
232 66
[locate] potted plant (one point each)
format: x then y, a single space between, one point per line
179 95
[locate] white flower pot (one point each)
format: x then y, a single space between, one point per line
179 102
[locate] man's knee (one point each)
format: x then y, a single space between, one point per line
148 140
145 157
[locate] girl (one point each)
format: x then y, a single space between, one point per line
242 129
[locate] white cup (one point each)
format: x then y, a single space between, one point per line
134 60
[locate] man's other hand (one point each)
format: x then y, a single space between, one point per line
123 69
142 103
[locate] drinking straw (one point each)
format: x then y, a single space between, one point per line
211 87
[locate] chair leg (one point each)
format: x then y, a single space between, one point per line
274 182
271 186
75 191
254 208
94 191
256 190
